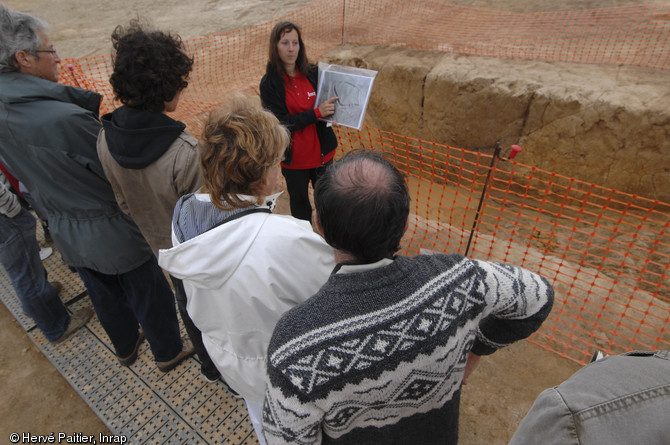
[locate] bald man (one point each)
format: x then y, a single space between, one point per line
379 354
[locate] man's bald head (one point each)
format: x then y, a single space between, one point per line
362 206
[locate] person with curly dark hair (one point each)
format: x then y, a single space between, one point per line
151 68
149 158
139 143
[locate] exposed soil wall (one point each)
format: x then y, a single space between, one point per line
609 125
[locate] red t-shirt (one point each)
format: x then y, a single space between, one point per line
300 97
12 180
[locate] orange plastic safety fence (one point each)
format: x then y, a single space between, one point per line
224 63
235 61
606 253
631 35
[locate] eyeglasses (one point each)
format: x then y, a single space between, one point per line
52 51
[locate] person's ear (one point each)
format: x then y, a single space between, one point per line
22 59
267 185
317 224
406 225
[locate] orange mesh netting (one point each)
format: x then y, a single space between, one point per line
631 35
606 252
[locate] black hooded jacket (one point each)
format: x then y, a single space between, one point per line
137 138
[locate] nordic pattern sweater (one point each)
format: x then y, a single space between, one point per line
378 357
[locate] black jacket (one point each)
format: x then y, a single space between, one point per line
273 98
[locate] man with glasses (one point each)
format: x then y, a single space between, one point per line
41 62
48 135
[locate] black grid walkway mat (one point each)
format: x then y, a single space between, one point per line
140 402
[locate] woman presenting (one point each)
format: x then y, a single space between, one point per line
288 90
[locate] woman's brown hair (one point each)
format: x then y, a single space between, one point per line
301 63
239 145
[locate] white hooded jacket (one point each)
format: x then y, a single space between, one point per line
240 277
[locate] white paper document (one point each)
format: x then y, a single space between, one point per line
352 86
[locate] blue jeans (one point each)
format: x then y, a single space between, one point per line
20 256
141 297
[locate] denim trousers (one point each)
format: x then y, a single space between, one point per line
20 256
140 297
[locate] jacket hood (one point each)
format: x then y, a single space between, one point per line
16 88
137 138
226 246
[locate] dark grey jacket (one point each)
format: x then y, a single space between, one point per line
48 134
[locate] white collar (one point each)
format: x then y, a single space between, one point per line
270 200
351 268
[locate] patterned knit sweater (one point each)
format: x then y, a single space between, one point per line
378 357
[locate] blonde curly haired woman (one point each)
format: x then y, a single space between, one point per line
242 266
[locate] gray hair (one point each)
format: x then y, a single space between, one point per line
18 32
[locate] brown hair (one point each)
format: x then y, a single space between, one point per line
276 65
239 145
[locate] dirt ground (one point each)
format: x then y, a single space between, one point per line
37 399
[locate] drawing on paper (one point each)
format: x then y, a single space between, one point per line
352 86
